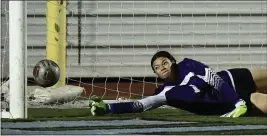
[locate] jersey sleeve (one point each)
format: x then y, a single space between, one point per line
158 90
182 93
220 88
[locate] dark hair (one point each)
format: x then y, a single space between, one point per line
162 54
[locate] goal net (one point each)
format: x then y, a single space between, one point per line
109 44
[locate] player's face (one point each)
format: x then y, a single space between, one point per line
162 67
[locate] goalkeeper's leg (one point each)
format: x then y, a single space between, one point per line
260 79
259 101
251 85
256 107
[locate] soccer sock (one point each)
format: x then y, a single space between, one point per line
125 107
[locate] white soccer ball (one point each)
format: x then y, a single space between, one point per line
46 73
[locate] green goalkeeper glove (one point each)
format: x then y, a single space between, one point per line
97 106
240 109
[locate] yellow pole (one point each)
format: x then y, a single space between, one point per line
56 36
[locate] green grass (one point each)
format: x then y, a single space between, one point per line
45 114
232 132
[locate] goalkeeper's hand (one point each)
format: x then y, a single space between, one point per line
240 109
97 106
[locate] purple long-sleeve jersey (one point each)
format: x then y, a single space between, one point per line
200 90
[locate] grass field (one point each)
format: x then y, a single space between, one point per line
158 114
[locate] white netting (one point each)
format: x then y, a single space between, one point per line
110 43
4 69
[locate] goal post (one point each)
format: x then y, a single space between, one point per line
56 36
17 59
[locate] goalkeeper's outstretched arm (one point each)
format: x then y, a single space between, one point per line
98 107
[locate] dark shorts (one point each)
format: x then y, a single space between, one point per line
245 86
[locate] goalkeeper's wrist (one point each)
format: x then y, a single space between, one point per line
107 108
240 103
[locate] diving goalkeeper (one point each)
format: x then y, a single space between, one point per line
192 86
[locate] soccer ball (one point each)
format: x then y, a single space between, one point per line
46 73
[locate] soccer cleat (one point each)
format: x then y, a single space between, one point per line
240 110
97 106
